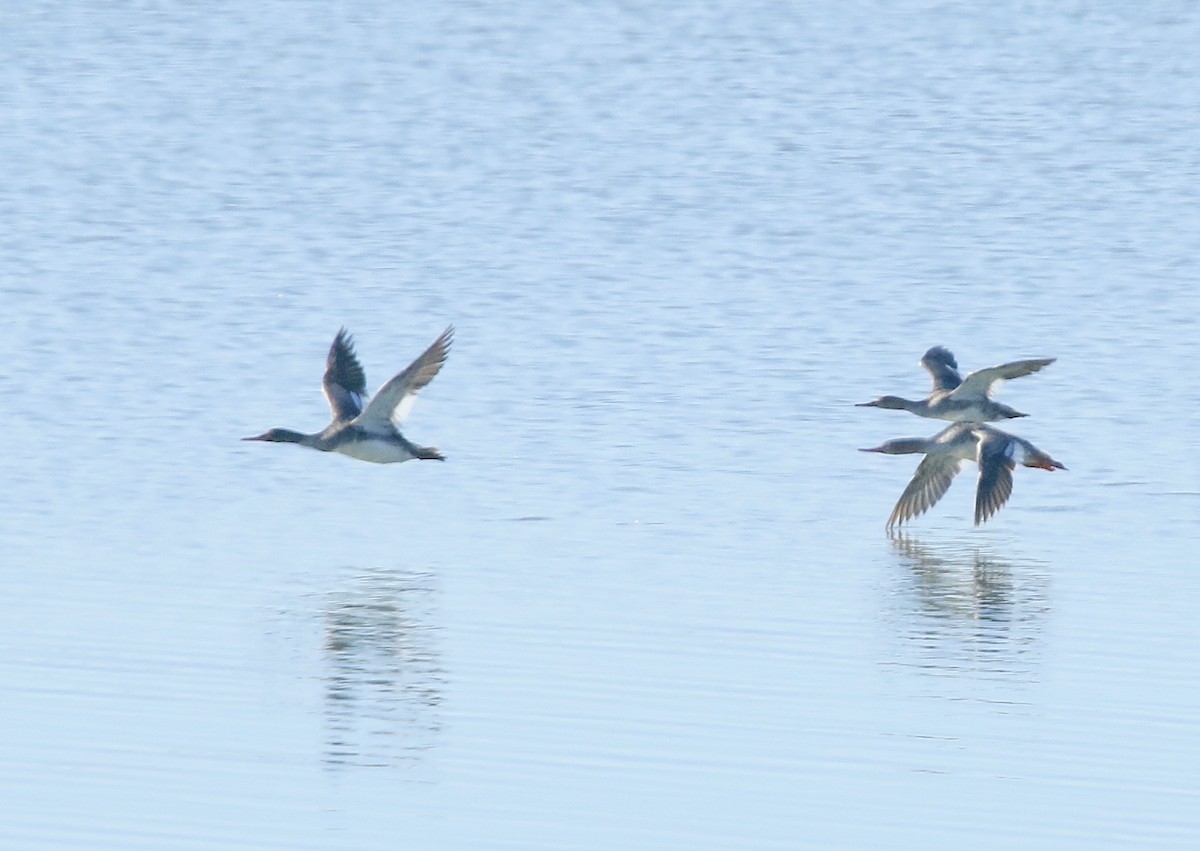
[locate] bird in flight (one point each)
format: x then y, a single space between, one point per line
961 399
368 430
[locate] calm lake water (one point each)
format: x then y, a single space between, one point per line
649 601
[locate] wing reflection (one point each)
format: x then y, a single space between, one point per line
384 679
964 609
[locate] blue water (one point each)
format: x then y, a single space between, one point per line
649 601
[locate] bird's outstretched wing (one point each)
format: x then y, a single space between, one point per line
394 400
929 484
982 382
345 383
942 368
996 467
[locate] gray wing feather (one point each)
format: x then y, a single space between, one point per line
995 477
395 399
345 383
942 368
929 484
981 382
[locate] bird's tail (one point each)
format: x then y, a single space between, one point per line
428 453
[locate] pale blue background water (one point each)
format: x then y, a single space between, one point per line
649 601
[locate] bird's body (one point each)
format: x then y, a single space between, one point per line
996 452
961 399
367 430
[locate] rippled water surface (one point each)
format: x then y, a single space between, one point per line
649 601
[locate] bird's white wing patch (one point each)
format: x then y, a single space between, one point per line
394 400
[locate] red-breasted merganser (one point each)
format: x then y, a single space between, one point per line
961 399
369 433
997 453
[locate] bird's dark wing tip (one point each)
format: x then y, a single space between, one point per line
940 354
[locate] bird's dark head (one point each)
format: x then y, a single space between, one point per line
892 403
277 435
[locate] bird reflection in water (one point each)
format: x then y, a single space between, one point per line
969 611
384 678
